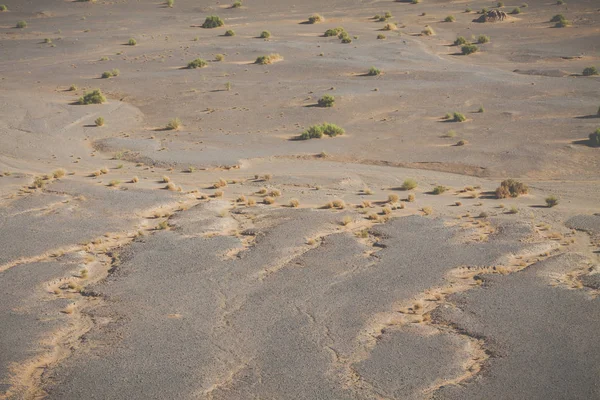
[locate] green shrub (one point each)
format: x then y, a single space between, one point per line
346 39
449 18
326 101
589 71
265 34
271 58
409 184
229 32
99 121
468 9
428 31
460 41
21 24
469 49
557 17
170 3
560 2
197 63
390 27
551 201
373 71
516 10
461 142
219 57
334 31
511 188
115 72
595 138
381 36
173 124
317 131
387 15
439 190
213 21
458 117
415 1
500 4
73 88
106 75
93 97
315 18
236 4
132 42
481 39
3 7
563 23
481 110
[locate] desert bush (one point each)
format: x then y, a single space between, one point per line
381 36
393 198
500 4
511 188
229 32
428 31
21 24
197 63
265 34
516 10
468 9
326 101
460 41
427 210
3 7
373 71
271 58
236 4
173 124
415 1
562 23
595 138
73 88
449 18
294 203
338 203
93 97
439 189
332 130
411 197
315 18
589 71
451 133
481 39
557 18
213 21
551 201
135 179
409 184
481 109
106 75
334 31
458 117
48 40
390 27
219 57
513 210
275 193
469 49
346 39
461 142
313 132
170 3
114 183
387 14
59 173
560 2
269 200
99 121
132 42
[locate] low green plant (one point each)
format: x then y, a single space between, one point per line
229 32
458 117
595 138
326 101
390 27
21 24
213 21
381 36
428 31
99 121
3 7
449 18
334 31
511 188
265 34
73 88
409 184
219 57
551 201
93 97
317 131
481 39
439 190
271 58
589 71
460 41
315 18
132 42
373 71
173 124
197 63
236 4
481 109
469 49
170 3
557 17
516 10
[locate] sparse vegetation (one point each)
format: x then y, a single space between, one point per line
428 31
271 58
595 138
551 201
114 183
315 18
21 24
334 31
390 27
265 35
269 200
511 188
72 88
213 21
393 198
132 42
236 4
219 57
197 63
294 203
317 131
460 41
99 121
3 7
173 124
93 97
458 117
373 71
409 184
589 71
449 18
326 101
461 142
229 32
411 198
469 49
381 36
439 189
516 10
482 39
427 210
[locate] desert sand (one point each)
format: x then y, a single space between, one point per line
179 240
